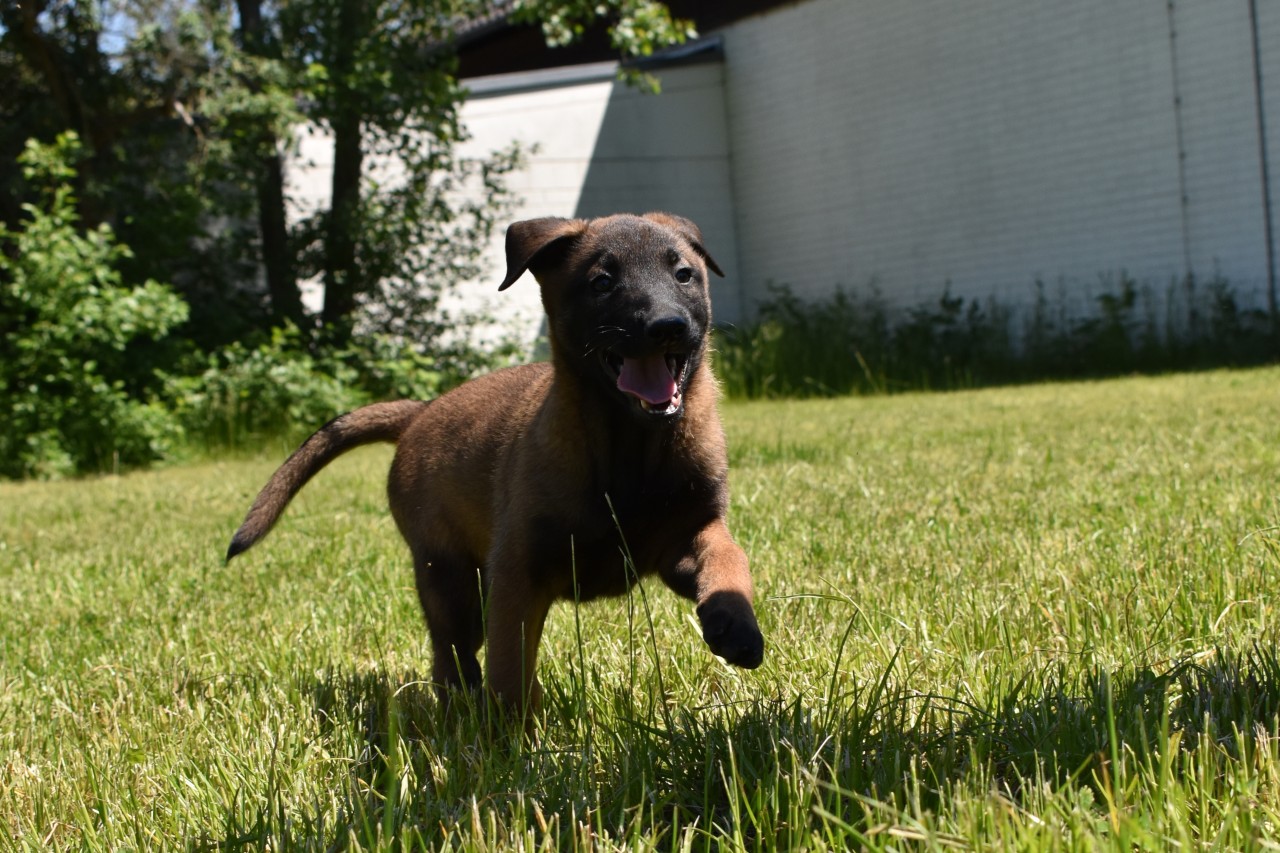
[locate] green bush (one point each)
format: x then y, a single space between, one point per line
73 396
91 378
389 369
278 389
289 385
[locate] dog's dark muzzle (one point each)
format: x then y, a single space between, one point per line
666 331
652 369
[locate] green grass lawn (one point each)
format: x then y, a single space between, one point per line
1026 618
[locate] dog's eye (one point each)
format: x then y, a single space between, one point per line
602 283
684 275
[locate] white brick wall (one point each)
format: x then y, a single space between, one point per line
1269 44
987 144
1220 133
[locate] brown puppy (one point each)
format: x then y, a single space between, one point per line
512 486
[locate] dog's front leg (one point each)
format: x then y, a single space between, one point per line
713 572
516 613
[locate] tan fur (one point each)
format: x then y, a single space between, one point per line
510 486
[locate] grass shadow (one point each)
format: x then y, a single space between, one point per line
778 772
772 773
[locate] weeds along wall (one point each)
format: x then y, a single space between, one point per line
859 342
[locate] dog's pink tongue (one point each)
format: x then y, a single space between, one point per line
648 378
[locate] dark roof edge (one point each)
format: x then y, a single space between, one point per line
710 49
706 49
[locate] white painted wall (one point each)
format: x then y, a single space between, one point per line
308 186
1223 178
1269 44
987 144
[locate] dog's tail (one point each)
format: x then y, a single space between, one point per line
367 425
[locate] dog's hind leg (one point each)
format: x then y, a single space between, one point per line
451 602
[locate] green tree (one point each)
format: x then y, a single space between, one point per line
188 109
133 78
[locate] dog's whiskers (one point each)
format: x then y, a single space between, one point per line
604 337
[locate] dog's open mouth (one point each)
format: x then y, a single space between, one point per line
653 381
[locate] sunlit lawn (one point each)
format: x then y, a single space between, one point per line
1027 618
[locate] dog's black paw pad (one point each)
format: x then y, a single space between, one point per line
730 630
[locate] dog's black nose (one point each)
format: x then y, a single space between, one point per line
667 328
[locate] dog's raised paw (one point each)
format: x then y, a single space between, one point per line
730 630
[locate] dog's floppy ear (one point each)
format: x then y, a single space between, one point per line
688 230
527 239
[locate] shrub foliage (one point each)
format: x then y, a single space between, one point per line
76 388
